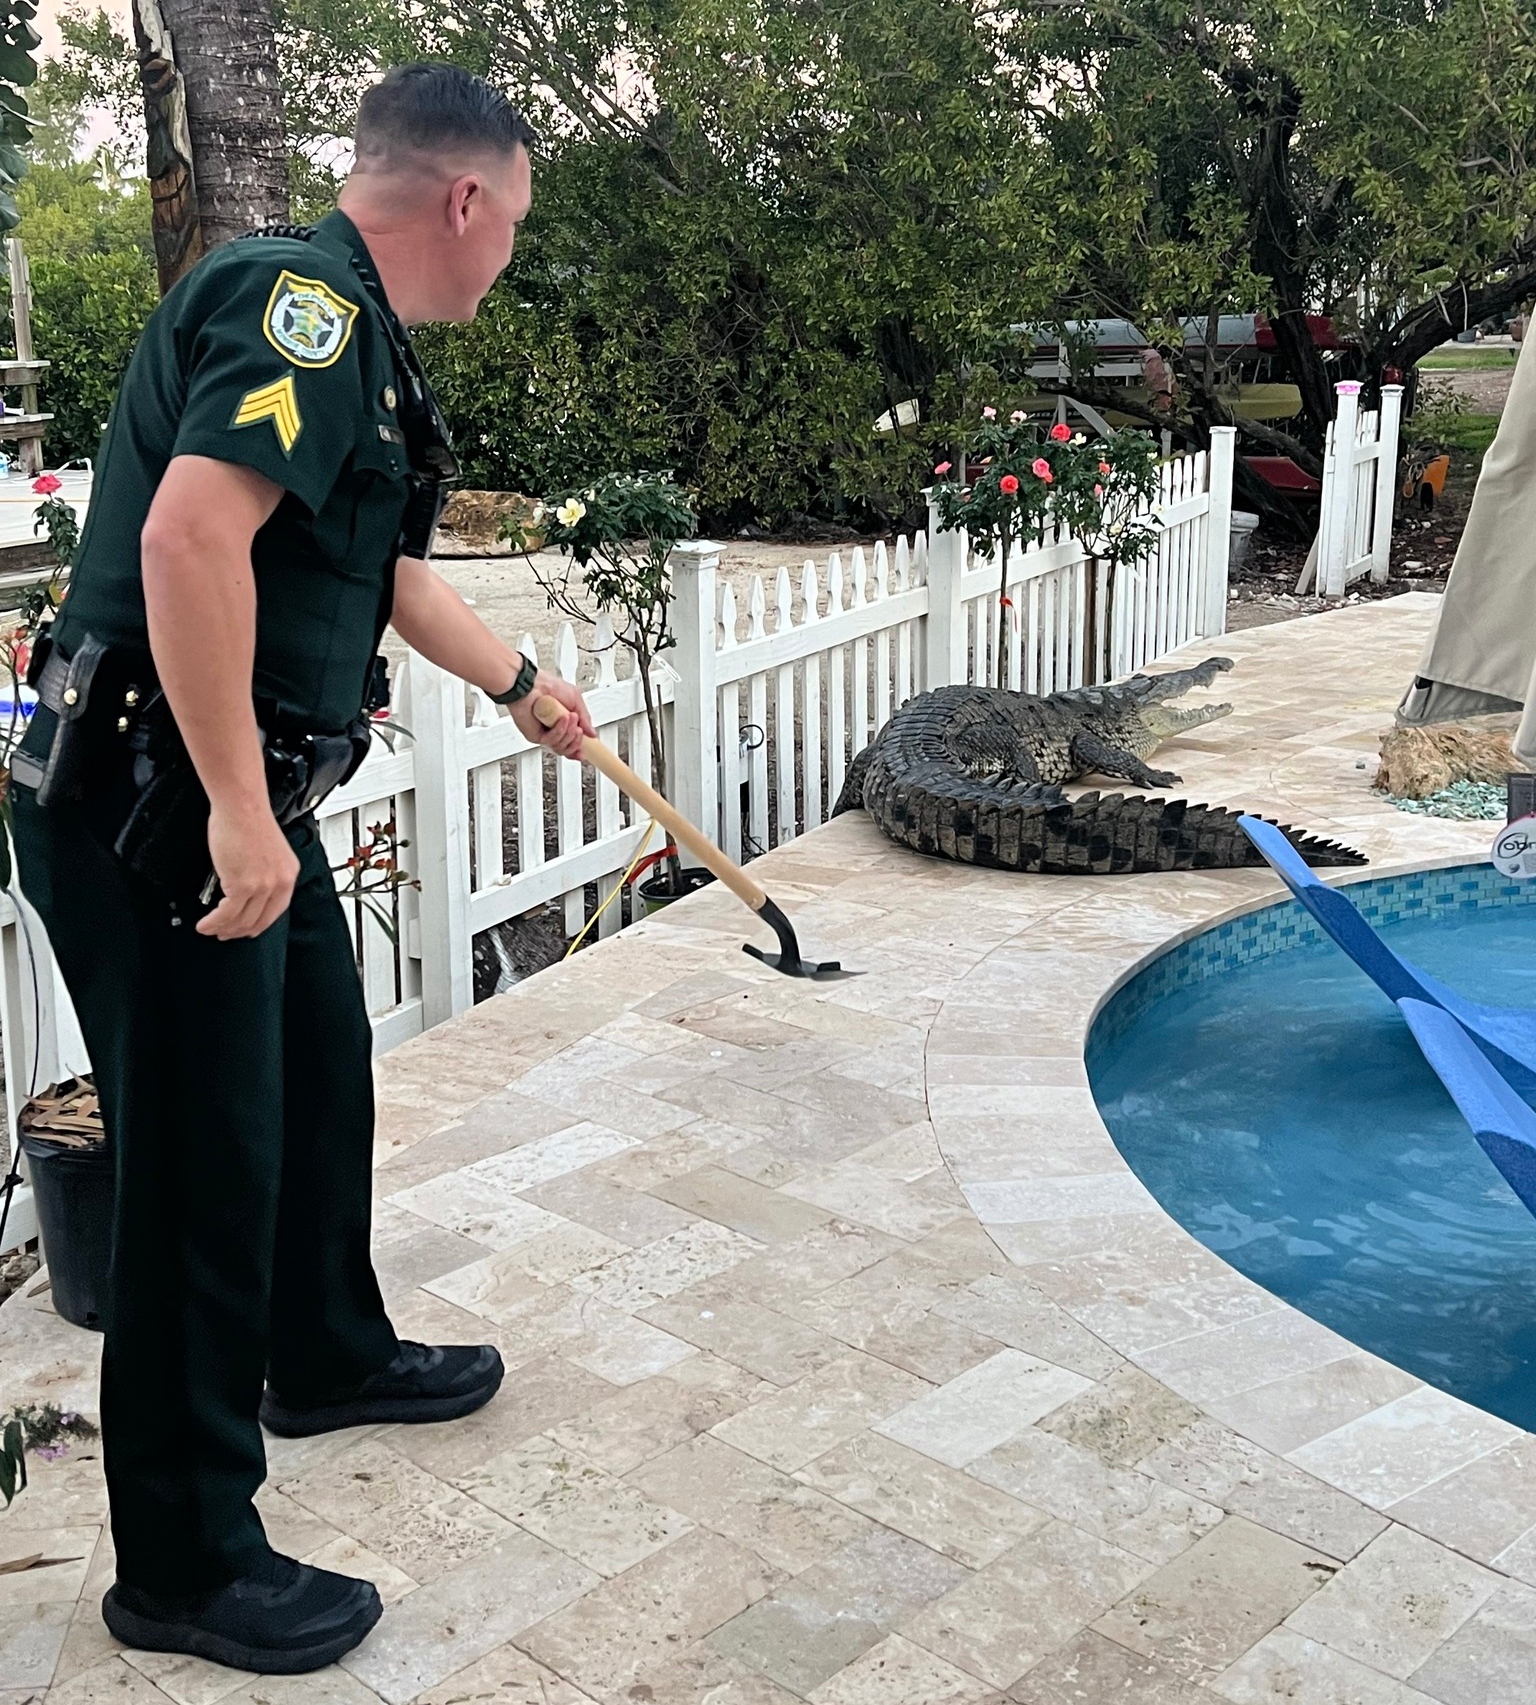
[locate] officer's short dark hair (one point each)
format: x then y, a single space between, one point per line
427 109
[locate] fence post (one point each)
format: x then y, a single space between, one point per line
1333 522
441 852
944 640
1220 465
694 755
1387 420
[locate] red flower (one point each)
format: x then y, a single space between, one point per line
1061 432
1042 469
1007 603
1103 467
1008 484
45 485
942 468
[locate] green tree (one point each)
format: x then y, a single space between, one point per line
758 224
1365 159
746 243
86 225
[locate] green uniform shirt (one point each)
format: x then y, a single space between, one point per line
271 354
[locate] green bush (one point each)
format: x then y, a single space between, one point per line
86 228
87 313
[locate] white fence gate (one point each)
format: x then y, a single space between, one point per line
1354 530
770 693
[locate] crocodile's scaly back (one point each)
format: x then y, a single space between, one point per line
925 797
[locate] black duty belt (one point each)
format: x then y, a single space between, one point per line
112 718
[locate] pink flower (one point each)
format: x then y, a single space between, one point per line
1016 416
1061 432
45 485
1103 467
1008 485
989 414
1098 491
943 467
1042 469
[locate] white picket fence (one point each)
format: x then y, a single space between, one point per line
1354 531
769 698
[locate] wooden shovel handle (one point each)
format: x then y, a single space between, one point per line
549 711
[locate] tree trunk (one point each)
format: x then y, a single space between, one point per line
178 239
1427 326
218 161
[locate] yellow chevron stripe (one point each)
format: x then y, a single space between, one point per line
277 402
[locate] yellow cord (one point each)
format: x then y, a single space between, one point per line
619 889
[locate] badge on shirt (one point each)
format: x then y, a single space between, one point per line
307 321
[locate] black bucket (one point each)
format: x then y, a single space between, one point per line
72 1190
659 890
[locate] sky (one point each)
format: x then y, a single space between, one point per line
48 15
99 128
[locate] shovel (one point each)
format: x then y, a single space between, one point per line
787 959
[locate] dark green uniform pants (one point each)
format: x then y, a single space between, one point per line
236 1087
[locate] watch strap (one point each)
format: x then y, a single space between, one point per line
521 686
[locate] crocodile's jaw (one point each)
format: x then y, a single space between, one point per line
1163 721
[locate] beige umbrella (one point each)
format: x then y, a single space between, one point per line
1481 657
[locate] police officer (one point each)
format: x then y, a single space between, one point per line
240 560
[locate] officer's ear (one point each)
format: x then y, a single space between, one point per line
464 194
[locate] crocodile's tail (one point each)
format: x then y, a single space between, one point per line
852 796
1040 830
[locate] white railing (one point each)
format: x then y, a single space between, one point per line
1354 529
769 695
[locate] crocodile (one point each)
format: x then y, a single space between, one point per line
976 774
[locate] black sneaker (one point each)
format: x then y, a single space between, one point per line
287 1620
423 1383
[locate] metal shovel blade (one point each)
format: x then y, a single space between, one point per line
788 959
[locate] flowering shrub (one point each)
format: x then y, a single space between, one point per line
56 518
374 877
1097 490
619 531
1032 480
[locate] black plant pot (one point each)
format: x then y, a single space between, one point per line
662 889
72 1189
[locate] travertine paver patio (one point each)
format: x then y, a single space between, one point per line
849 1362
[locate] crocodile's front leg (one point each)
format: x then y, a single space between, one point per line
1093 756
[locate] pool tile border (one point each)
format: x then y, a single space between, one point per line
1288 927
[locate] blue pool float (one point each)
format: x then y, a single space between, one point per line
1503 1124
1508 1033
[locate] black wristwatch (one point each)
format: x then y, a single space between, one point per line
521 687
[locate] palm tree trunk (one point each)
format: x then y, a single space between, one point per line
218 158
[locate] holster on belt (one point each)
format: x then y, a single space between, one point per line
66 690
164 838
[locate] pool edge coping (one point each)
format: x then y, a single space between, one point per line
1382 1453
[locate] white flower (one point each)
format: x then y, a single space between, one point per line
570 512
539 512
1079 438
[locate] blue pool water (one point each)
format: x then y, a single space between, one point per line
1277 1107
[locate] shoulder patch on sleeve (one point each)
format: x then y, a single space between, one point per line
307 321
277 402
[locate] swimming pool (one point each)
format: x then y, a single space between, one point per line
1275 1104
